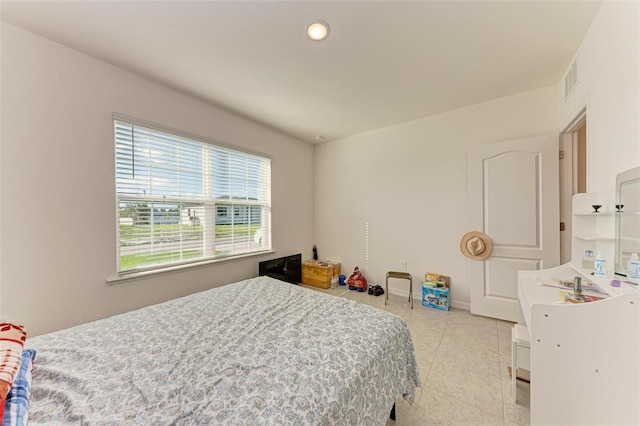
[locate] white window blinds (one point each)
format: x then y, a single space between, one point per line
184 200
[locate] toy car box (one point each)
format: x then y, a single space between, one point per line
436 294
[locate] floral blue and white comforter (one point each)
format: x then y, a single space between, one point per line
259 351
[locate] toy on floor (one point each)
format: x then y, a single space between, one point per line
357 281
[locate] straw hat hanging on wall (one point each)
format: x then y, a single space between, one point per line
476 245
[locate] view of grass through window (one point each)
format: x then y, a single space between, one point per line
159 234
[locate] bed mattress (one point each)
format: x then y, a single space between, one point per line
260 351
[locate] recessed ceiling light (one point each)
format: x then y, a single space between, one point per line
318 30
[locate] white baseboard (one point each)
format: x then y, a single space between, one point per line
399 292
465 306
417 296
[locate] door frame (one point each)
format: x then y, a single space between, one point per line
569 179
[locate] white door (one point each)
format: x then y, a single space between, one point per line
514 199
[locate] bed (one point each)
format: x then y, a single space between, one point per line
259 351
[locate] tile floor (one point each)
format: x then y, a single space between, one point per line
463 362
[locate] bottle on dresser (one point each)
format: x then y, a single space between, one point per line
600 265
587 260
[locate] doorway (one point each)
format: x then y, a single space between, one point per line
573 176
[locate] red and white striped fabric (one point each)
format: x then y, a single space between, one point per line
12 339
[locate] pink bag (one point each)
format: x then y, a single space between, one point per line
357 281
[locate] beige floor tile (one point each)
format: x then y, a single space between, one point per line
437 408
476 386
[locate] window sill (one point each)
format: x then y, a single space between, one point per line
121 278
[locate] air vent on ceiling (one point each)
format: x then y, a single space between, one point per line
571 78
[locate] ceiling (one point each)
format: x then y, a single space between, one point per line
384 62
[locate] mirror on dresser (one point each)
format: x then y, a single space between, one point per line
627 213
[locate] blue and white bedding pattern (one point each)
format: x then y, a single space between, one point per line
16 410
259 351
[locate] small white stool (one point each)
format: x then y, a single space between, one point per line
401 275
520 347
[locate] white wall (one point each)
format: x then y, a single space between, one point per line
409 183
58 191
609 87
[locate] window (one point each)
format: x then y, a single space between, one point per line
175 194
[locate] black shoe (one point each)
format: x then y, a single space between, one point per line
378 291
370 291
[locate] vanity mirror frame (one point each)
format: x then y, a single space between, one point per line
627 237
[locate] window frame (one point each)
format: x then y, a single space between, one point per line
205 202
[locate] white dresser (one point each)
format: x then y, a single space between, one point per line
585 358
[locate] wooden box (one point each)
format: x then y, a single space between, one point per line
319 273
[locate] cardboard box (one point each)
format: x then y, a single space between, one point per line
435 296
319 273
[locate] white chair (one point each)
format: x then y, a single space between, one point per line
520 347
